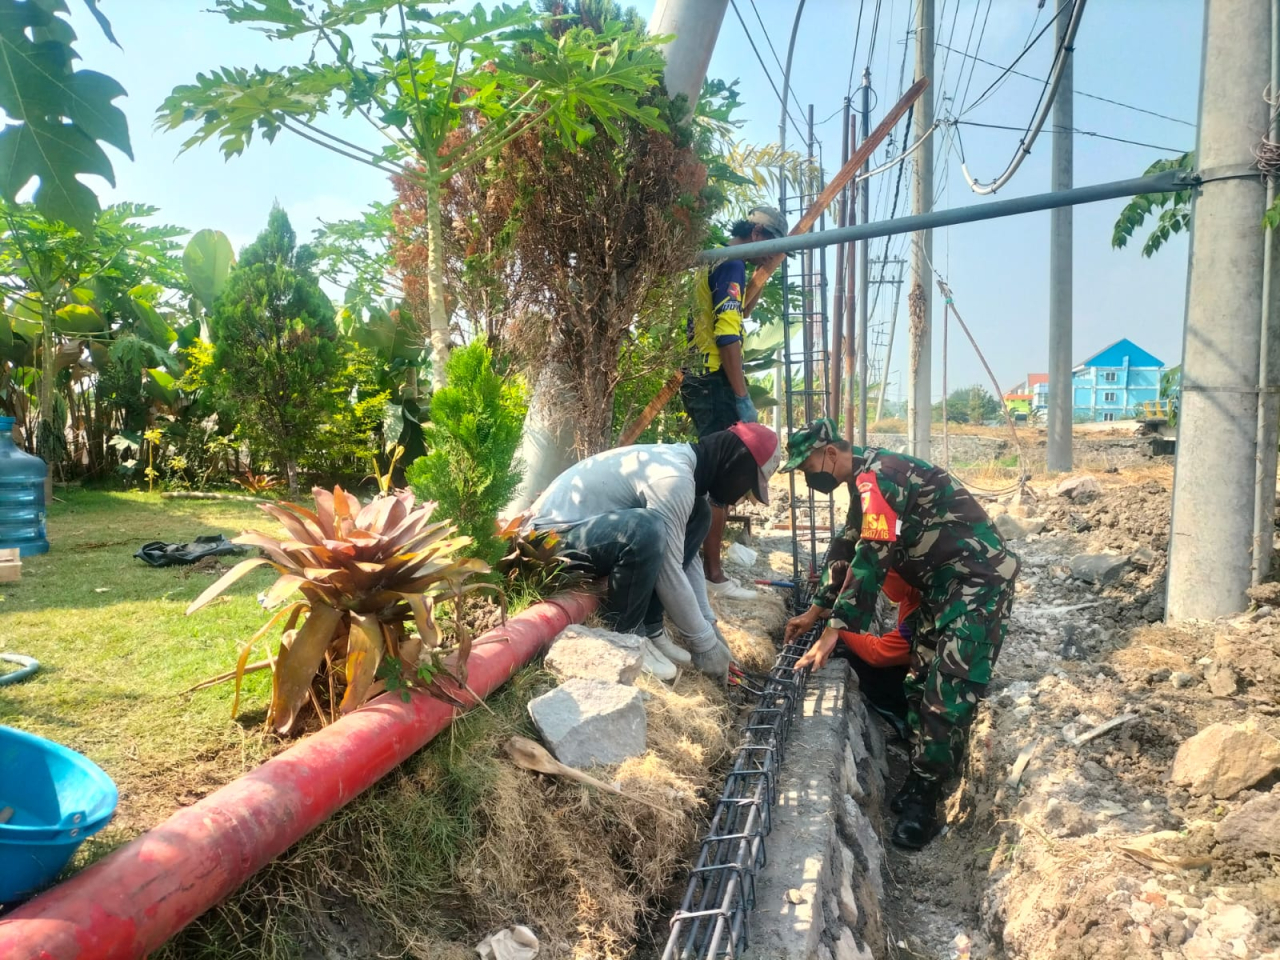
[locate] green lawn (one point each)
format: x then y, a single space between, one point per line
116 652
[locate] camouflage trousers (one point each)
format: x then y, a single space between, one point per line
947 678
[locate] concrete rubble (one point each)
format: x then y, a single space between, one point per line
592 653
1101 568
1017 528
1254 828
1225 759
587 723
1078 488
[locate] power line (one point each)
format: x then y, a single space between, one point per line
1078 93
1075 130
875 28
974 63
773 50
1025 50
857 38
765 70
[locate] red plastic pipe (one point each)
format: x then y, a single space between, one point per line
133 900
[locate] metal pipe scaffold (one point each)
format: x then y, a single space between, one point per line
1162 182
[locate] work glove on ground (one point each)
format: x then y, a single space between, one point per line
747 410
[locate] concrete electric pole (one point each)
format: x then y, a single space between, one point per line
1210 555
1060 239
695 24
920 301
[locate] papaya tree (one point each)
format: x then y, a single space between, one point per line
69 293
55 116
413 76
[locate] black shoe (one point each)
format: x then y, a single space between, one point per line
910 787
919 820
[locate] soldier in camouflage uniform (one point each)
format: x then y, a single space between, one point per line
911 516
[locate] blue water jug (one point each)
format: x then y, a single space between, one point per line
21 496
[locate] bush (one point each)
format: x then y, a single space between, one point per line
471 438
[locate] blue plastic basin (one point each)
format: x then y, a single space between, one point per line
58 798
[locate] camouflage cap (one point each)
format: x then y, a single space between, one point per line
768 219
807 439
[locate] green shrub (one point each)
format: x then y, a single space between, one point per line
471 438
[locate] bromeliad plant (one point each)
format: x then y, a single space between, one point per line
369 578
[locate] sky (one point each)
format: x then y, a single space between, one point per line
1143 53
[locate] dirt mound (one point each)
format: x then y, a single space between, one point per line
1067 840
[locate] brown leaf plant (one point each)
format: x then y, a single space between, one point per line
257 482
537 559
369 578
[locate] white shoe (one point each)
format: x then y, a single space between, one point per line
731 590
658 665
671 650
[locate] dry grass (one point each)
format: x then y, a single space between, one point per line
460 842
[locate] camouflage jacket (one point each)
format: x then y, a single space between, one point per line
910 516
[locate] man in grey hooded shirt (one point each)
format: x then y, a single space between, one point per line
638 514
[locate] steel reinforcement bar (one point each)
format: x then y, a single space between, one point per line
712 920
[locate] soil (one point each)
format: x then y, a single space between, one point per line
1039 869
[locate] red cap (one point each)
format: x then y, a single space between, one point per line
762 443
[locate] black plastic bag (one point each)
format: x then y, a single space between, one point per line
161 554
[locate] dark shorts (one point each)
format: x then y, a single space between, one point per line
709 401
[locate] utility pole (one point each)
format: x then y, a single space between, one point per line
851 344
1058 456
893 329
837 329
864 203
920 301
695 24
1210 555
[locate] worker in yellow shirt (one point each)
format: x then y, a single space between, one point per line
715 394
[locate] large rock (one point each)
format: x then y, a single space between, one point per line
1253 828
1225 758
1103 568
1015 528
587 723
1222 679
587 653
1078 488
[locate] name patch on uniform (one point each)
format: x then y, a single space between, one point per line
879 520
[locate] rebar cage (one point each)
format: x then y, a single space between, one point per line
713 918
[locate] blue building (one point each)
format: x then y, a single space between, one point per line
1112 382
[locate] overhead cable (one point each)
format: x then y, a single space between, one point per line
974 63
769 40
1078 93
1074 130
764 69
1016 60
1065 50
